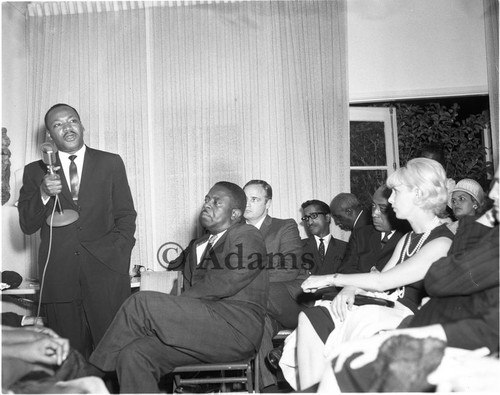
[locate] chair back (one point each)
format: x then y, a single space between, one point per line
169 282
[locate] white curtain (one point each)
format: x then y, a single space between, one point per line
192 94
491 33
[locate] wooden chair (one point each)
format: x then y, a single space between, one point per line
245 372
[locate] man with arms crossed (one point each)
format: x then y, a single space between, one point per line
218 318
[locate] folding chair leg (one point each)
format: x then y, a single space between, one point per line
256 374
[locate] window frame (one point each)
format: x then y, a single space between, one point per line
387 115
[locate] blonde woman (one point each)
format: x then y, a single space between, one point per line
419 195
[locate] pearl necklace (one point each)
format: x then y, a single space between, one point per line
423 238
399 293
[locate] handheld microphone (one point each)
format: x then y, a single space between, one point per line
49 155
63 217
55 219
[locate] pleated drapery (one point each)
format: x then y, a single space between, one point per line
193 94
491 34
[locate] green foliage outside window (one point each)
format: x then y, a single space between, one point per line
461 140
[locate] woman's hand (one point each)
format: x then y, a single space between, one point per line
343 302
313 283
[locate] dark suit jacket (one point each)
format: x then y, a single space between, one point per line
333 257
364 219
233 274
284 248
464 289
284 245
104 230
363 250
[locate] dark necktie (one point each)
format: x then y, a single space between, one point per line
73 177
207 249
384 240
321 249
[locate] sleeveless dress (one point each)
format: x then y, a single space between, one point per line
367 320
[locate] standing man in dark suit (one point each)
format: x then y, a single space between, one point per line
284 249
371 246
348 213
84 266
218 318
321 251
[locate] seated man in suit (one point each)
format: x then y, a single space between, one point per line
321 251
284 250
218 318
348 213
322 254
371 246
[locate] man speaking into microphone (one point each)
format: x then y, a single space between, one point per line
84 266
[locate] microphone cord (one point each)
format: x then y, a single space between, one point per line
47 260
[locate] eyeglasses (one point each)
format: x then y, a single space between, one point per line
306 218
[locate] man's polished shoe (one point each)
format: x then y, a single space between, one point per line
273 358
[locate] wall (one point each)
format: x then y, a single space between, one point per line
415 48
15 255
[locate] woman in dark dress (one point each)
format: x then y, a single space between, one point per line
419 195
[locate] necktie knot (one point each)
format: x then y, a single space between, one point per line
72 158
211 239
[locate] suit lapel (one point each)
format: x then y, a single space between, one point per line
194 260
313 248
216 249
391 243
89 168
330 251
375 240
266 226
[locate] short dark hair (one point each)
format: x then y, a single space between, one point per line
237 195
263 184
56 106
433 151
346 200
385 191
322 206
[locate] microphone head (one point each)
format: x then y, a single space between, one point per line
48 153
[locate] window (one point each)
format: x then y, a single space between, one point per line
374 149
